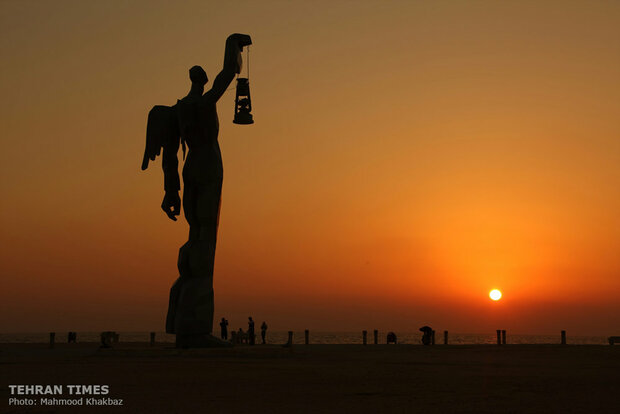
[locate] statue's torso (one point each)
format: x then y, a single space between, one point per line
199 126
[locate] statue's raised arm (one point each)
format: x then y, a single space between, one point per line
232 66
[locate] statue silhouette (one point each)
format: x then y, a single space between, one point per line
193 122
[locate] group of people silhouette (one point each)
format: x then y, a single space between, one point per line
242 337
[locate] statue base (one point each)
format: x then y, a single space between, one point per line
201 341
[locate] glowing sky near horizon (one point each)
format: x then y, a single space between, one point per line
406 157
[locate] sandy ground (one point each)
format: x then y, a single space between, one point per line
324 378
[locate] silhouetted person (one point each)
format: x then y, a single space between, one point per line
263 331
427 334
193 122
224 329
251 336
242 336
391 338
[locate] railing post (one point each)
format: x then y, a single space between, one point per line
445 337
433 337
307 336
503 337
376 335
563 337
499 337
152 338
290 338
52 339
364 337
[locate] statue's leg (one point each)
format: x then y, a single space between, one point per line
202 255
177 287
189 210
193 319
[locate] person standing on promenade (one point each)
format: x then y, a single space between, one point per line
427 334
263 331
224 329
251 335
242 337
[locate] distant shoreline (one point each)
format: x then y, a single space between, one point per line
280 337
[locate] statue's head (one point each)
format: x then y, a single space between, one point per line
198 76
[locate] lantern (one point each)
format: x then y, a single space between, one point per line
243 103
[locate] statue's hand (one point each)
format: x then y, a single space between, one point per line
171 205
234 45
240 39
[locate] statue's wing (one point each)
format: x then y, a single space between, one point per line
162 127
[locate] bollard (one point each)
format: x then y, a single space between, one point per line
376 334
433 337
563 337
152 338
290 338
106 339
503 337
445 337
307 335
52 339
364 337
499 337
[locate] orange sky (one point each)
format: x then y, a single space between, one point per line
407 157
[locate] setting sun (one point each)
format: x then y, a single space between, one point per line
495 294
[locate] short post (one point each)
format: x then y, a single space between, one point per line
499 337
152 338
445 337
563 337
52 339
107 337
307 336
364 337
503 337
290 338
376 335
433 337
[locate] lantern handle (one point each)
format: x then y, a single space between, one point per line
248 46
234 87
